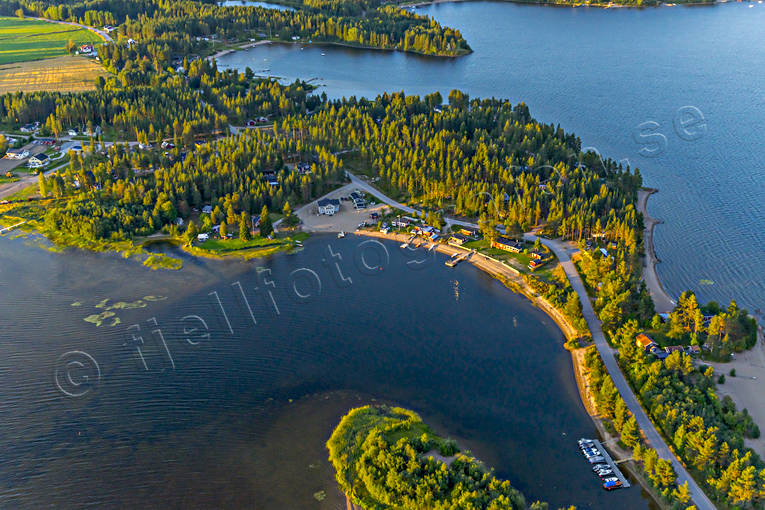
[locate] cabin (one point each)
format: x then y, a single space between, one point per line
38 160
674 348
16 154
86 49
458 239
304 168
537 255
329 206
470 232
645 342
693 350
503 243
535 264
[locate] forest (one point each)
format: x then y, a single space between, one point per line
385 458
195 26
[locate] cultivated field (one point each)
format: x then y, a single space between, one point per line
69 73
28 39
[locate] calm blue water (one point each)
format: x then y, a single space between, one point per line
601 74
253 3
238 419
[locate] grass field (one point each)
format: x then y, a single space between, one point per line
22 40
68 73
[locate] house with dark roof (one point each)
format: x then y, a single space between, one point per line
503 243
457 239
328 206
535 264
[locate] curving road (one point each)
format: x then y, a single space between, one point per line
564 252
101 33
652 436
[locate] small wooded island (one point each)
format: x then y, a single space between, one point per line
386 457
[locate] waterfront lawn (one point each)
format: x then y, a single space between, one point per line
257 247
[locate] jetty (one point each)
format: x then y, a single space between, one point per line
611 463
458 257
8 229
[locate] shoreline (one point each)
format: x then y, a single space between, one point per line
663 302
426 3
497 270
517 285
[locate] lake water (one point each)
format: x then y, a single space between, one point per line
252 3
602 74
238 419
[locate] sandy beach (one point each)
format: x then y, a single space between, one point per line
662 300
242 47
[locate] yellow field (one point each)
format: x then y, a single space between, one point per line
69 73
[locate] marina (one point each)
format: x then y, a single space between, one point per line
610 474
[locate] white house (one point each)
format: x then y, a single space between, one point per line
16 154
38 160
329 206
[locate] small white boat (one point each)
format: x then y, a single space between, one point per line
340 235
323 54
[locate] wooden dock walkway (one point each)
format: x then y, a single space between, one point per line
8 229
457 258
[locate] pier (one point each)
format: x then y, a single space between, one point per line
457 258
611 463
8 229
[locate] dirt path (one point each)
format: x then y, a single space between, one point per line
662 300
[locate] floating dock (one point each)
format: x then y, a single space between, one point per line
617 472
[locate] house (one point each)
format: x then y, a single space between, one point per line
503 243
645 342
693 350
38 160
659 352
535 264
16 154
304 168
86 49
537 255
29 128
329 206
207 209
458 239
72 132
250 123
674 348
179 221
470 232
